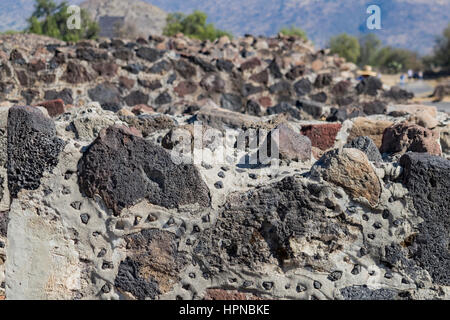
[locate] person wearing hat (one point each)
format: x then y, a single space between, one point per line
366 72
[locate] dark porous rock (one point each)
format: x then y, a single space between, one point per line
231 101
29 95
130 279
302 87
374 107
249 89
366 145
185 69
149 54
404 136
313 108
295 72
160 67
274 68
136 97
106 69
323 80
281 87
398 94
65 95
91 54
224 65
33 148
364 293
253 108
4 220
76 73
427 178
152 264
250 64
257 227
319 97
285 108
123 54
213 83
206 66
261 77
341 88
150 84
163 98
134 68
107 95
148 123
124 169
369 86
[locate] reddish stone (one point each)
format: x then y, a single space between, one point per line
403 137
142 108
36 65
106 69
185 88
265 102
322 135
54 107
261 77
222 294
250 64
126 82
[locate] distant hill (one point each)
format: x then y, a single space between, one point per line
412 24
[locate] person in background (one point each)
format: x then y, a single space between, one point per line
410 74
366 72
402 79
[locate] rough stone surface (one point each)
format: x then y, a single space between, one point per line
403 137
33 148
137 169
374 129
322 136
366 145
427 178
351 170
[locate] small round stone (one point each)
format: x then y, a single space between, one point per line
267 285
356 269
301 288
377 225
218 185
334 276
221 174
85 218
317 285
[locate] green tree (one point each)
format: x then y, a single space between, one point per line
369 45
51 19
193 26
345 46
394 60
441 54
294 31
